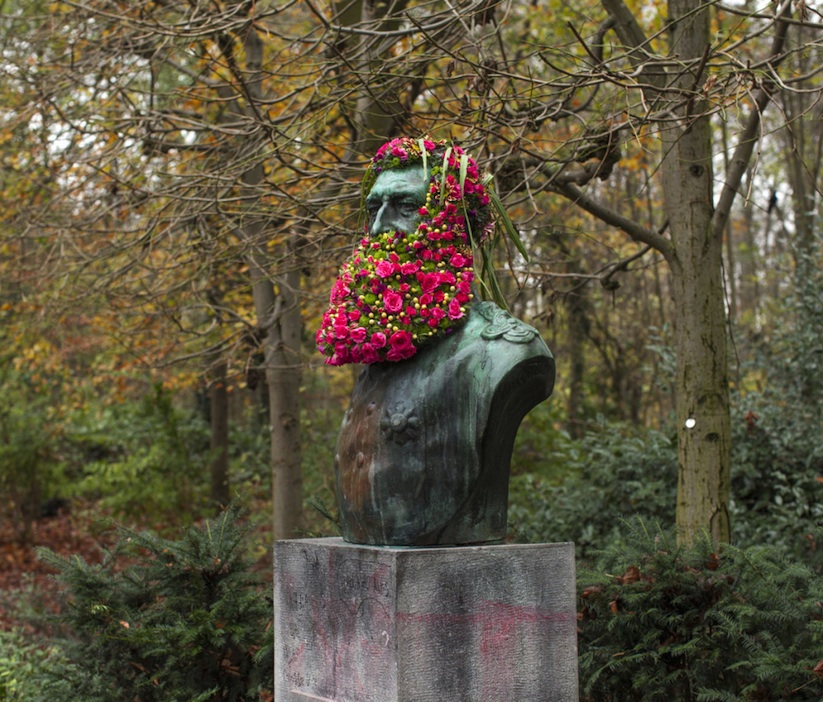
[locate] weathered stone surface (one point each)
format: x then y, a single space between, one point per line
466 624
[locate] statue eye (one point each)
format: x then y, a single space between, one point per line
409 208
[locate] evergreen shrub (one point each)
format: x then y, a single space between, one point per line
145 457
617 473
777 494
165 621
611 474
21 662
662 622
31 443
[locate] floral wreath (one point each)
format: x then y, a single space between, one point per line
402 290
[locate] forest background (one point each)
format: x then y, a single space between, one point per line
180 182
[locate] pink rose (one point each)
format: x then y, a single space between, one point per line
428 281
401 340
454 310
378 340
368 354
404 348
384 269
436 314
340 290
410 268
358 335
392 301
458 260
400 355
354 315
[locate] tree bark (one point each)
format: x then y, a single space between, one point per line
701 379
219 442
284 373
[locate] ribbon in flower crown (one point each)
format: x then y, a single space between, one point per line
402 290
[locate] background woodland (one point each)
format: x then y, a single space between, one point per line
180 181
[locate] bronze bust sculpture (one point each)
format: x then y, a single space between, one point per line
422 457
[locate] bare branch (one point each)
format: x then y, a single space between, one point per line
745 146
636 231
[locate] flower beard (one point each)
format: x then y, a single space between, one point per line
396 294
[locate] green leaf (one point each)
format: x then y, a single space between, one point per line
505 222
488 277
443 171
422 144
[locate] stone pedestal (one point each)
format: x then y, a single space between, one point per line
461 624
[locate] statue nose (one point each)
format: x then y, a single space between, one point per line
377 222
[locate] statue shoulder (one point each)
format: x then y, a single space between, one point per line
497 346
493 323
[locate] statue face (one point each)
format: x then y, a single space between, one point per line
395 199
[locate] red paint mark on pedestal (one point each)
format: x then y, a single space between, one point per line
500 634
485 610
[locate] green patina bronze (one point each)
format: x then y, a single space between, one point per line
422 457
395 198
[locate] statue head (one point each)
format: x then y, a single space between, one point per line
395 199
406 172
408 282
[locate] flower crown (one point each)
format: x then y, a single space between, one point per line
401 290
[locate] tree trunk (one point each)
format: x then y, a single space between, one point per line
701 382
277 309
729 237
283 373
219 442
694 249
577 306
702 395
749 289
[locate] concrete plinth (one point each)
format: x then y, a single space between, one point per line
460 624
